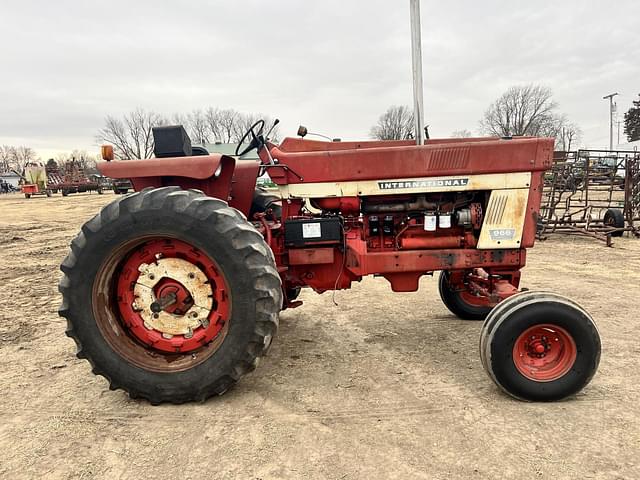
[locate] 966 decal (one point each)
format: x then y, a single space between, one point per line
502 234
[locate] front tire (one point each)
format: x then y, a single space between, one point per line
459 301
540 347
121 338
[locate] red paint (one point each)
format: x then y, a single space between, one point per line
401 256
30 188
411 161
544 353
128 273
243 185
201 167
424 242
310 256
345 205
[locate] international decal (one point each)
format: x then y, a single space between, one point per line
422 183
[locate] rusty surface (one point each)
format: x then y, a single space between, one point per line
187 274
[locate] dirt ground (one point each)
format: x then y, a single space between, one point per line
382 386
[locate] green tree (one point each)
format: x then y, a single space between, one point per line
632 122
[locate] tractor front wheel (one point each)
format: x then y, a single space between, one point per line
460 301
172 296
540 346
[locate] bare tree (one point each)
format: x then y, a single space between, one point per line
222 124
16 158
229 126
132 135
395 124
522 110
246 120
21 157
567 137
6 158
198 127
81 158
462 134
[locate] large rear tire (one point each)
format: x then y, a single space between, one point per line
184 237
460 302
540 347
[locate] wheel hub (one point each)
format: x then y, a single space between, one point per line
544 353
171 296
182 279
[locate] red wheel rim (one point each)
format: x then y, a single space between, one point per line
473 300
544 352
190 321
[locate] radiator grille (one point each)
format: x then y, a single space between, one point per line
496 208
449 158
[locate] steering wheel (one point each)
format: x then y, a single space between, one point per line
256 140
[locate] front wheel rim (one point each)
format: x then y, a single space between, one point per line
544 352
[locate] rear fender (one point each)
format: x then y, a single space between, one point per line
216 175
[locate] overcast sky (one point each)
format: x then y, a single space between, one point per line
333 66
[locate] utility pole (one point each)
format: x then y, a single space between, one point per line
416 57
611 110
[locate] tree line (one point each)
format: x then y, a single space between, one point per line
15 158
527 110
132 137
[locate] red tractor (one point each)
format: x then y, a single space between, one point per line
173 292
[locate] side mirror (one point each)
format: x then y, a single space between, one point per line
302 131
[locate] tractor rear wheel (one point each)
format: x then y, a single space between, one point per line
460 301
540 346
172 296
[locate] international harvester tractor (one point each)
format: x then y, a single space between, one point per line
173 292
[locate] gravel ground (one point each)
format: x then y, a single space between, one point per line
382 386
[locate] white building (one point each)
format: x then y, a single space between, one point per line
10 178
